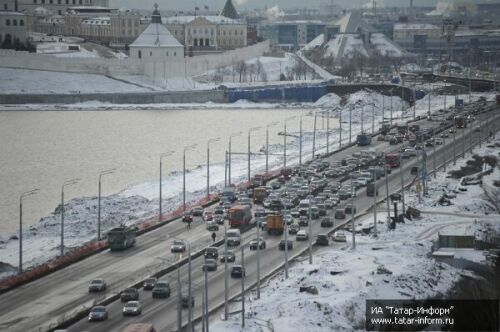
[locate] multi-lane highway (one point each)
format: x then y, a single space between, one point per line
47 300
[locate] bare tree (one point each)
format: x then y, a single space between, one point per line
241 68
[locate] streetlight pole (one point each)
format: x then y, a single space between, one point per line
373 114
353 223
340 128
190 309
187 148
375 193
230 155
205 308
179 299
350 123
226 287
387 193
23 195
300 142
402 183
66 183
284 142
430 92
213 140
314 137
109 171
249 153
267 145
243 286
327 133
258 261
392 93
362 117
286 242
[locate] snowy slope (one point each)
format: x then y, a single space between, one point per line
316 42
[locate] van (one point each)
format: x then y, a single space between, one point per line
140 327
233 237
304 206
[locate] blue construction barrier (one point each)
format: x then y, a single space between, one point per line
278 93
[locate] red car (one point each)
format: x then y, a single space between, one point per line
187 218
208 216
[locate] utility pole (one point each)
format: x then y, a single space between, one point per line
179 299
286 242
350 124
314 138
392 92
208 163
65 183
373 115
328 134
243 286
190 309
205 309
375 193
309 226
258 260
362 117
402 182
340 128
226 288
225 170
300 142
353 223
387 194
23 195
444 154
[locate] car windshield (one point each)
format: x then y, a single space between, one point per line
98 309
178 242
132 305
130 290
96 281
161 285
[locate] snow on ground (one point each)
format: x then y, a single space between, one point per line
385 46
39 81
62 50
262 69
316 42
141 201
395 265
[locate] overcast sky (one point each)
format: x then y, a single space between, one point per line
251 4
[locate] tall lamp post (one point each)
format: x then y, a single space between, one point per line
213 140
65 184
161 180
187 148
109 171
284 141
249 153
229 157
267 144
23 195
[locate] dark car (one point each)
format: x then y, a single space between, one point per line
185 301
303 221
178 246
322 240
350 209
340 214
230 257
97 285
98 313
161 289
414 170
149 283
129 294
197 211
326 222
212 252
219 219
256 243
187 218
210 265
237 271
282 245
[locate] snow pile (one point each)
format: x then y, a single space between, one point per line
328 100
394 266
62 50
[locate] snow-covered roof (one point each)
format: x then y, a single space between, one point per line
156 35
10 13
414 26
318 41
385 46
189 18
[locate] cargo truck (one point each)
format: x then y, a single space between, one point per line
371 189
240 216
460 122
392 160
259 194
121 238
275 224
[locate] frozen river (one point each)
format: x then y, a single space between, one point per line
44 149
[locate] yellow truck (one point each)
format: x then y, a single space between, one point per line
275 224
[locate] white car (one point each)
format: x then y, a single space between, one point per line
339 236
411 152
301 235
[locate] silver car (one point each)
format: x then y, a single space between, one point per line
178 246
132 308
98 313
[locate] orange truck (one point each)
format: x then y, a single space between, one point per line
275 224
